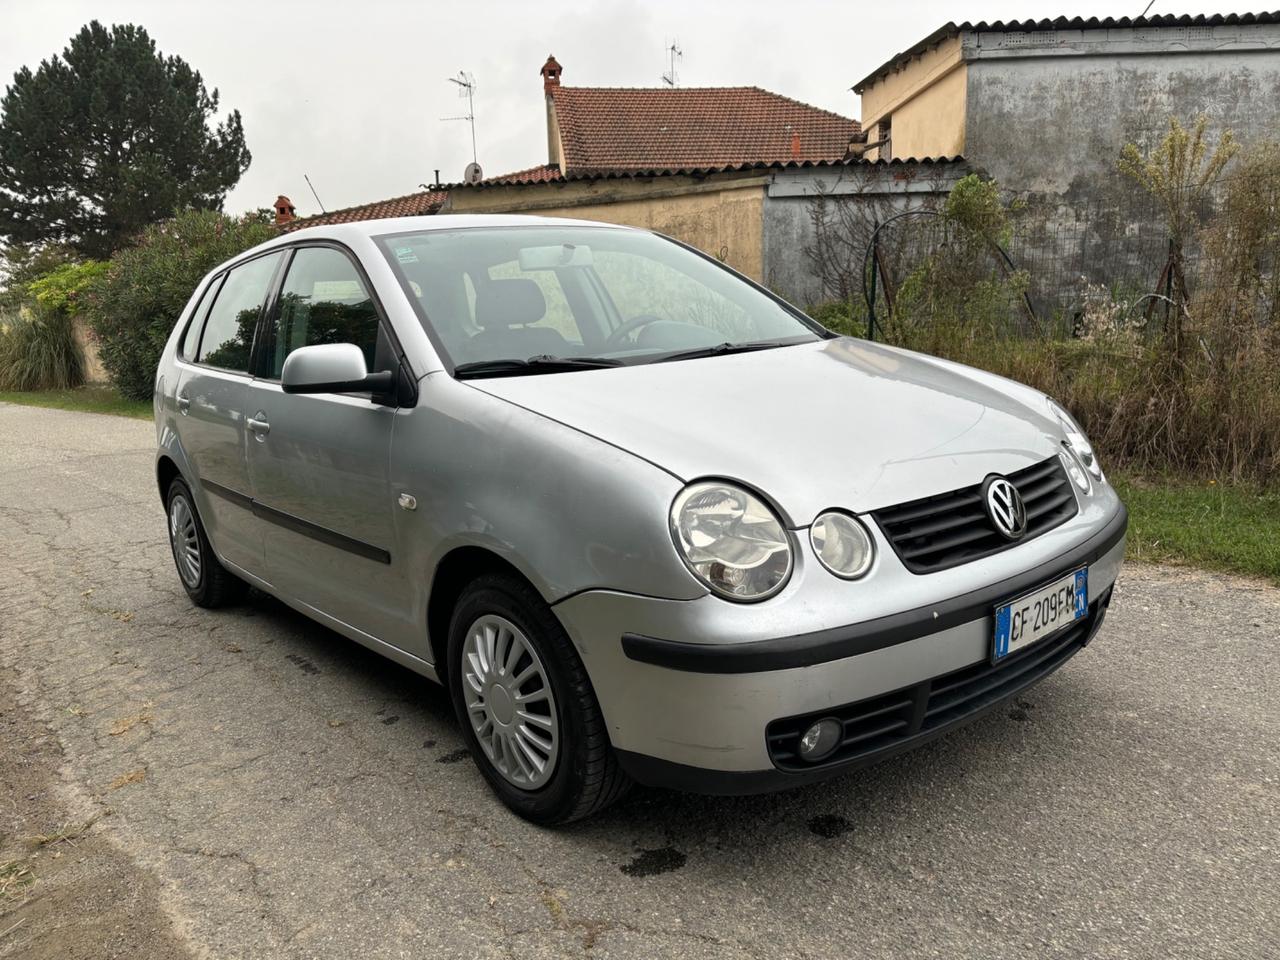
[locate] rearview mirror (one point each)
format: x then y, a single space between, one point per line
332 368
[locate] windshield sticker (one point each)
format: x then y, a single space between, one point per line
406 255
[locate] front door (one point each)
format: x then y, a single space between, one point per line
319 463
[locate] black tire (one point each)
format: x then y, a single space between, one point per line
587 777
215 586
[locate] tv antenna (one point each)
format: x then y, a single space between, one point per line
314 194
466 84
674 55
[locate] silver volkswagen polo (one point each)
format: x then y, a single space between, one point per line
641 518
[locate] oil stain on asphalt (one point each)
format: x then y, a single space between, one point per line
648 863
829 825
302 663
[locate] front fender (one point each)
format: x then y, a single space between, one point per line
571 512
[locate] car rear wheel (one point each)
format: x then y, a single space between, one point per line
526 707
206 581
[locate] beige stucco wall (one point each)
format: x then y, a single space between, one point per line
94 371
925 101
724 218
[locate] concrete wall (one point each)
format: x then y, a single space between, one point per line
925 101
789 230
94 371
1050 112
722 216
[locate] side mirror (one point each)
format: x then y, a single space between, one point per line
332 368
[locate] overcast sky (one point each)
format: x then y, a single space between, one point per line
352 93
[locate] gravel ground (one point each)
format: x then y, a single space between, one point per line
259 787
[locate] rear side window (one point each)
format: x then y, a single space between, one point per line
228 332
323 300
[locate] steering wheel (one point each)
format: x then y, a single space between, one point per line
635 323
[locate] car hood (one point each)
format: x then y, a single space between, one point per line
838 423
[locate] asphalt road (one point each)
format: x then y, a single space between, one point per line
285 793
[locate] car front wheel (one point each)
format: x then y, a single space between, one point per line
526 707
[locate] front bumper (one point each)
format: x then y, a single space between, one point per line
691 690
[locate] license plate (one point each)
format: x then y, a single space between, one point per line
1036 615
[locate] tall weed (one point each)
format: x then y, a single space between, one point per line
39 351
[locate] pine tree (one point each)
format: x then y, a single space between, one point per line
108 138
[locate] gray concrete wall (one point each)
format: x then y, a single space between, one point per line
1048 114
883 188
1053 118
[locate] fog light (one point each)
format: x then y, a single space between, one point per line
820 739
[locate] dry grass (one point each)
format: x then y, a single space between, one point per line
15 878
123 725
67 833
133 776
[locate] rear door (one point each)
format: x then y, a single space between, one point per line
212 391
319 463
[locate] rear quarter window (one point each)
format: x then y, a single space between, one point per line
191 336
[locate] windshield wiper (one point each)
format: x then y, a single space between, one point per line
543 363
720 349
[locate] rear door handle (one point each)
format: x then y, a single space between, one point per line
184 403
259 428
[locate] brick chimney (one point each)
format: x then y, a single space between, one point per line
284 210
550 74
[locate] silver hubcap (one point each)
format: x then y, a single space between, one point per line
185 541
509 702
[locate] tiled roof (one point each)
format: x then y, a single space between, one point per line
663 129
1064 23
543 173
550 174
410 205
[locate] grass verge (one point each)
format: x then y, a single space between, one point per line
1203 523
88 399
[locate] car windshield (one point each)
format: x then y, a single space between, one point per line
523 300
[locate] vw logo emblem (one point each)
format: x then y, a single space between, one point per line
1005 508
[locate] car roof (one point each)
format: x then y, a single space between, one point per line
444 221
363 229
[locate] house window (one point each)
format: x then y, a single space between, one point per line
886 139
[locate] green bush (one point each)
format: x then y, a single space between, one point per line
64 287
39 351
134 304
22 263
841 316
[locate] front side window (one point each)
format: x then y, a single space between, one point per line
523 297
323 300
228 332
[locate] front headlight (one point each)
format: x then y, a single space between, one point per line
731 540
1077 442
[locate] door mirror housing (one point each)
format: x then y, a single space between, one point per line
332 368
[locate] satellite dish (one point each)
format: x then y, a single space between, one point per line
473 173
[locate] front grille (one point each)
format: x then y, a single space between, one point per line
883 722
953 528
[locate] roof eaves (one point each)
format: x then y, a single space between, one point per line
644 173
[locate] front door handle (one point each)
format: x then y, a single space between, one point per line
259 428
184 403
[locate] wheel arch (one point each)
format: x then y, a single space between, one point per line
166 472
456 569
